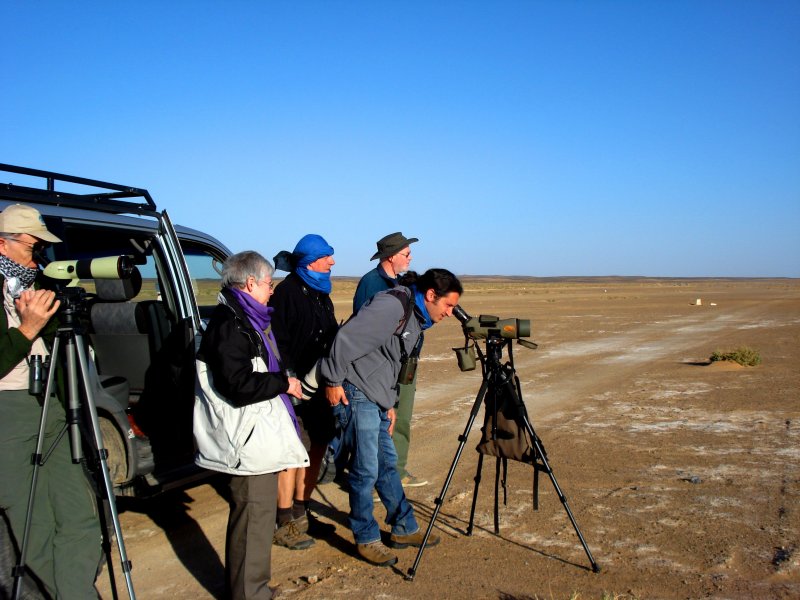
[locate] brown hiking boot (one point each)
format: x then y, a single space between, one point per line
376 553
302 524
289 536
413 539
409 481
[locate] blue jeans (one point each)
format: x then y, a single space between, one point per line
373 464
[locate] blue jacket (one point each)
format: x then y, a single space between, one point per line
371 283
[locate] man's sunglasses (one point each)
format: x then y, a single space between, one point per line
36 247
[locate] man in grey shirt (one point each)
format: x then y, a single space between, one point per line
361 375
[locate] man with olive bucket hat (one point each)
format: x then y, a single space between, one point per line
394 256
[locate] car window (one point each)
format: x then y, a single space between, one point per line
205 265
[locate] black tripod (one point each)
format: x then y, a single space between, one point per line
498 379
78 380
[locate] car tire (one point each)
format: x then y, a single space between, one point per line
117 451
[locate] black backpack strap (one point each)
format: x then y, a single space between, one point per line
408 307
407 300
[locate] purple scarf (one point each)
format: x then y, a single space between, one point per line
260 316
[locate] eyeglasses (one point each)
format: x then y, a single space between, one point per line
270 284
35 247
406 255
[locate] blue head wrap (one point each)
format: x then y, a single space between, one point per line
312 247
419 305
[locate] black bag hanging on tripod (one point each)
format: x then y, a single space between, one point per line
504 434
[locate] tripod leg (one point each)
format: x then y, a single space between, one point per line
103 454
462 441
547 469
515 393
475 493
73 403
103 511
504 481
496 496
36 461
535 484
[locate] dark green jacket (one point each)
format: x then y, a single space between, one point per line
14 347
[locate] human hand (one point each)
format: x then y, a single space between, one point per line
392 414
335 394
35 308
294 388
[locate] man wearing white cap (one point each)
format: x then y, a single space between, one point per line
64 548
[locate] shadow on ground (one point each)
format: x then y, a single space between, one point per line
170 512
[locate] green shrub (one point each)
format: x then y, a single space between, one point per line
745 356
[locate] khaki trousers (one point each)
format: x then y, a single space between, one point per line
402 425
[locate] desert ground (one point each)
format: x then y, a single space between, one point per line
682 475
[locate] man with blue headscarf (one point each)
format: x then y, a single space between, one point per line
304 325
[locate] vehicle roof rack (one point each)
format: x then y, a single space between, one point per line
118 199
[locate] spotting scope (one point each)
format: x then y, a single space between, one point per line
108 267
486 326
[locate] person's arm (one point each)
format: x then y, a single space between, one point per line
367 331
335 394
35 309
227 351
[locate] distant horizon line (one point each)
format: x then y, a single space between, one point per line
590 277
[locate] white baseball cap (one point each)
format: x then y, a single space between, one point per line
19 218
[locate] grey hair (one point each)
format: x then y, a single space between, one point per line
238 267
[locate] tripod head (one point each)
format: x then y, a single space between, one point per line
73 304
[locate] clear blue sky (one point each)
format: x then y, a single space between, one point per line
657 138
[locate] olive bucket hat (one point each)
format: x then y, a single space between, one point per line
392 244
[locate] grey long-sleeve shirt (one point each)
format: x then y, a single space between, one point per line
366 351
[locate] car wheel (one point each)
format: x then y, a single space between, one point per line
117 452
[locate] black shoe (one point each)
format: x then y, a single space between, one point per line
327 469
341 480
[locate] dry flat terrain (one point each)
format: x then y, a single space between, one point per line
683 476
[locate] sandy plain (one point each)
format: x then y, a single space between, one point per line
683 476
